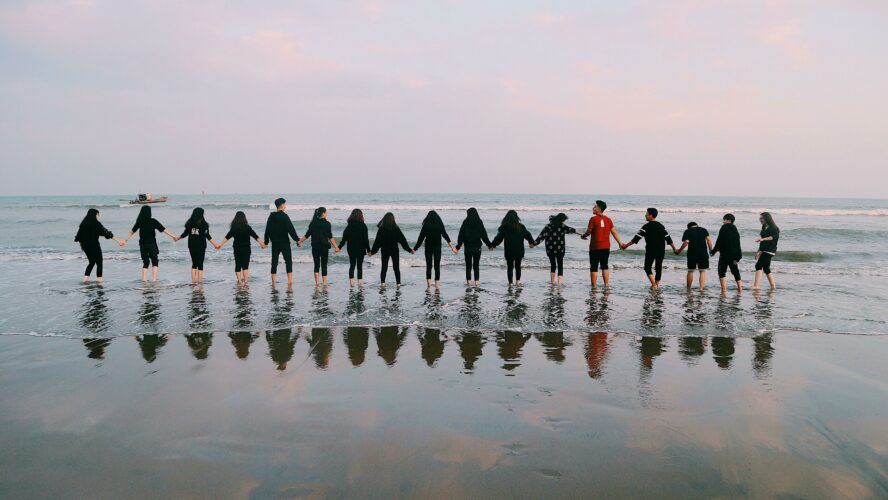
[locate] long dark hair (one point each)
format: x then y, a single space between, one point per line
317 216
388 222
557 220
433 221
239 220
196 220
90 219
144 216
769 221
511 222
472 218
356 216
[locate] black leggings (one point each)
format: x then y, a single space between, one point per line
513 264
94 256
556 262
149 254
473 262
197 257
653 264
241 260
724 264
764 263
320 256
277 251
433 258
396 266
356 262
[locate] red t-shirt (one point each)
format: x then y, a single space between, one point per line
600 228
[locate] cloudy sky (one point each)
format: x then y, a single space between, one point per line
733 97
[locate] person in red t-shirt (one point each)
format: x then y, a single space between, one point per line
600 228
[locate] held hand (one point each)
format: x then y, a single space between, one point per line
758 240
583 237
121 242
455 250
262 245
412 252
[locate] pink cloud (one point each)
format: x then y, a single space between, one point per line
788 38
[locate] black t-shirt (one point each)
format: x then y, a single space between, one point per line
320 232
146 231
655 238
696 238
197 236
241 235
769 246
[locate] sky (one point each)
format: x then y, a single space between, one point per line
679 97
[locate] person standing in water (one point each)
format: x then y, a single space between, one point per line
432 233
278 231
356 240
699 244
197 230
241 232
767 250
554 233
146 225
322 231
727 245
388 237
656 237
472 234
601 228
88 234
513 233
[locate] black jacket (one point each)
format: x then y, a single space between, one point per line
278 228
514 240
728 243
355 238
389 239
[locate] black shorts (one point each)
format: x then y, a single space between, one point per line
701 262
149 253
241 259
599 258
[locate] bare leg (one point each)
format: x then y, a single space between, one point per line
477 283
144 274
758 280
193 275
86 279
360 283
739 285
273 278
771 280
594 279
651 279
351 282
199 276
552 278
317 279
99 280
724 284
289 279
690 279
560 280
324 280
702 280
237 276
246 276
607 276
154 273
438 284
428 283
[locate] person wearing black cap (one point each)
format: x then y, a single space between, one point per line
696 239
656 237
727 245
278 230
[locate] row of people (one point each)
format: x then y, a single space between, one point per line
472 238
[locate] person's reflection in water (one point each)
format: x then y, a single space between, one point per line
596 353
320 304
764 351
470 346
723 351
200 343
357 339
96 348
388 340
694 314
470 311
149 312
281 311
649 349
243 307
764 309
727 312
553 308
281 344
691 348
598 308
554 345
389 308
652 311
241 342
355 306
509 345
432 345
432 303
151 345
321 342
198 313
94 315
515 309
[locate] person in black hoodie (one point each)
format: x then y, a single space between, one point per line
767 241
472 234
278 230
88 234
554 233
356 240
322 232
146 225
727 245
656 237
513 233
432 233
388 237
241 232
197 230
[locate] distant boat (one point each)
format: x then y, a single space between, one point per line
146 198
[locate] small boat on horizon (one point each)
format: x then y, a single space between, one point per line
146 198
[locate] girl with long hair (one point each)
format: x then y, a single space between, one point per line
197 230
432 233
88 234
241 232
554 233
320 228
472 234
356 240
513 233
146 226
388 237
767 241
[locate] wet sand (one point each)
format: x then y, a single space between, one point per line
415 412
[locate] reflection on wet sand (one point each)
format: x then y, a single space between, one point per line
432 345
243 307
722 351
727 312
241 341
149 312
471 345
200 344
554 344
355 306
94 313
281 310
598 308
281 344
652 311
151 345
320 304
470 310
433 304
509 346
596 353
553 309
321 342
691 348
96 348
514 311
357 339
693 313
389 340
198 313
764 351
